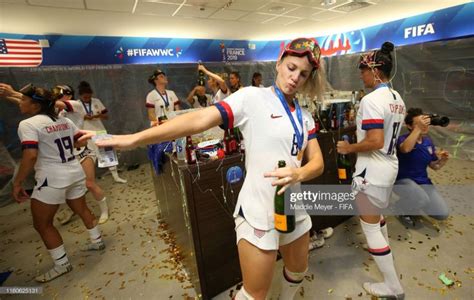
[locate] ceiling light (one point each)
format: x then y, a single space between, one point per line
328 2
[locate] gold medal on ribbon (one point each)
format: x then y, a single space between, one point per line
300 155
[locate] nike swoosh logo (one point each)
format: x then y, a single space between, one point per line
275 117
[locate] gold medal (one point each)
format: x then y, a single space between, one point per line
300 155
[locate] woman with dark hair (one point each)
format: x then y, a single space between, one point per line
417 152
275 128
257 79
379 120
234 80
216 84
160 100
93 112
48 141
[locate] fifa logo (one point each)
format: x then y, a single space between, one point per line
419 30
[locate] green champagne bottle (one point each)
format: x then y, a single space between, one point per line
344 167
283 223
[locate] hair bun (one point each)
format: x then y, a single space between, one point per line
387 47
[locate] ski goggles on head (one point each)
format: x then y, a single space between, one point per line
65 90
368 60
304 46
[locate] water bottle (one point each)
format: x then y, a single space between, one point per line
180 149
106 157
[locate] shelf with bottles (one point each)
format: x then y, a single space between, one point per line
209 146
336 113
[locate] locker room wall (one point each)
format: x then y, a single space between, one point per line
437 76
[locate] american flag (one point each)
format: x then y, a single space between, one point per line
20 53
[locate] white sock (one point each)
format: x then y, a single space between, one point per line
115 175
95 235
243 295
103 205
382 255
383 228
104 211
290 283
59 256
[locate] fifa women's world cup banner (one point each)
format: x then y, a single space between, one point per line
18 50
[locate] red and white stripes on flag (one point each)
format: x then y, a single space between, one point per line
20 53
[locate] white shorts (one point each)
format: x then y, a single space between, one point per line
50 195
377 195
86 153
270 239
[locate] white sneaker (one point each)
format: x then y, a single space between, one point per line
316 242
93 246
54 273
326 232
104 217
381 290
120 180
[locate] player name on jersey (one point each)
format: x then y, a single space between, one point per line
397 108
57 127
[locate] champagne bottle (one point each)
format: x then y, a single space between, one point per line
334 124
190 153
344 167
283 223
162 116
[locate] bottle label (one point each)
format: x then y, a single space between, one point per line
280 222
106 157
233 146
342 173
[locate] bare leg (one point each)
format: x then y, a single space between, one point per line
295 258
79 206
257 267
43 216
89 169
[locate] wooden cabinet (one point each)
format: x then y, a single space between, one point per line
197 202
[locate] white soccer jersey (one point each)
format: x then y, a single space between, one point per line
196 103
94 107
75 112
155 100
269 137
220 95
56 165
384 109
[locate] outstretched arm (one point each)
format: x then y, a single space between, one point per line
184 125
8 93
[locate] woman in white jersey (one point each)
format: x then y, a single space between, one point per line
95 113
217 85
48 142
275 128
76 112
160 100
379 119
